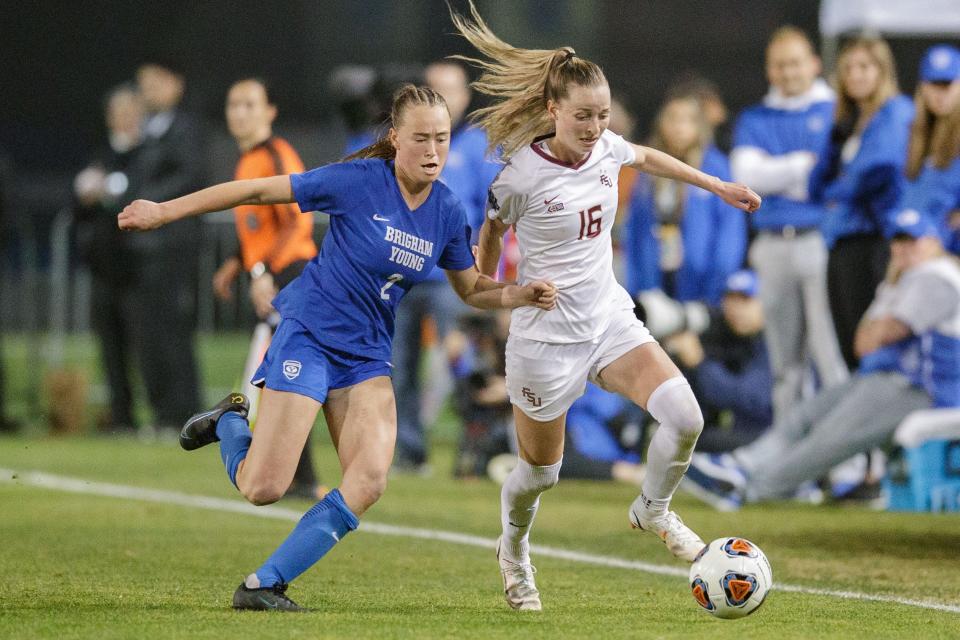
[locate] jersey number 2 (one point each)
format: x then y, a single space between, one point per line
590 227
392 280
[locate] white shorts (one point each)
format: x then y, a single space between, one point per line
545 378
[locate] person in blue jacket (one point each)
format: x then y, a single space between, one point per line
391 222
859 180
681 239
933 158
467 173
775 147
728 367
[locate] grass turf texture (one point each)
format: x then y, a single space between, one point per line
80 566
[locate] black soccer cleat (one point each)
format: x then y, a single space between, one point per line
201 429
264 599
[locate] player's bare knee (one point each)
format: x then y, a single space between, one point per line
371 486
262 492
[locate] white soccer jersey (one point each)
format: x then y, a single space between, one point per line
562 215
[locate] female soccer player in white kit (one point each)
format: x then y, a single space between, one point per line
558 191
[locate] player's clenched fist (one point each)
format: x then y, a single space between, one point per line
540 294
739 195
141 215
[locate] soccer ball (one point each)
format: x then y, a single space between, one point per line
730 577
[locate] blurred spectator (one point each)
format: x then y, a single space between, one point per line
468 173
706 91
680 239
164 263
365 95
933 160
276 241
476 354
623 124
728 368
352 88
101 190
775 148
859 179
908 343
605 433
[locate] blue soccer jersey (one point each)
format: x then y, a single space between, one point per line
375 250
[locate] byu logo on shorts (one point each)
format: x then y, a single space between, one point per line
291 369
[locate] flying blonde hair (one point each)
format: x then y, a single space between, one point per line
521 81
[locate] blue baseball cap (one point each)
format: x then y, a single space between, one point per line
914 224
744 282
941 63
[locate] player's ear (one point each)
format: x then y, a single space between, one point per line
553 109
393 137
271 113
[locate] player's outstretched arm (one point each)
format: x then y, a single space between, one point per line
664 165
142 215
490 246
482 292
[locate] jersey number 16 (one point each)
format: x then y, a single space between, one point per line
590 226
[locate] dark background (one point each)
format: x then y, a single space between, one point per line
60 58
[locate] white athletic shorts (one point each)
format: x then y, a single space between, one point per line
545 378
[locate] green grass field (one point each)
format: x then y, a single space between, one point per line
88 566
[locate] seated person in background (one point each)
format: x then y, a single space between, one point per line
727 366
909 349
480 399
679 239
606 434
605 431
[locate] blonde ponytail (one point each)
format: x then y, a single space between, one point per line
522 80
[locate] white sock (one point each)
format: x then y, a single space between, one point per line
674 406
519 500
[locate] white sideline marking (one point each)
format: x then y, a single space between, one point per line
77 485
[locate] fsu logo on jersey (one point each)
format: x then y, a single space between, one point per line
606 181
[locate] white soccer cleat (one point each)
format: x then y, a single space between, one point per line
679 538
518 584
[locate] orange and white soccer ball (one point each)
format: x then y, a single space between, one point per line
731 577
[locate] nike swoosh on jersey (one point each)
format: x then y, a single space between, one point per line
380 218
551 199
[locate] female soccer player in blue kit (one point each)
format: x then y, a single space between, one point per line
390 224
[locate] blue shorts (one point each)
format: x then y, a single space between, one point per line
297 363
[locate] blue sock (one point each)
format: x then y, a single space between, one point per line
319 529
235 436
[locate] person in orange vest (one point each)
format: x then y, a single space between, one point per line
276 241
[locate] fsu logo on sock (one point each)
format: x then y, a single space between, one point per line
291 369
